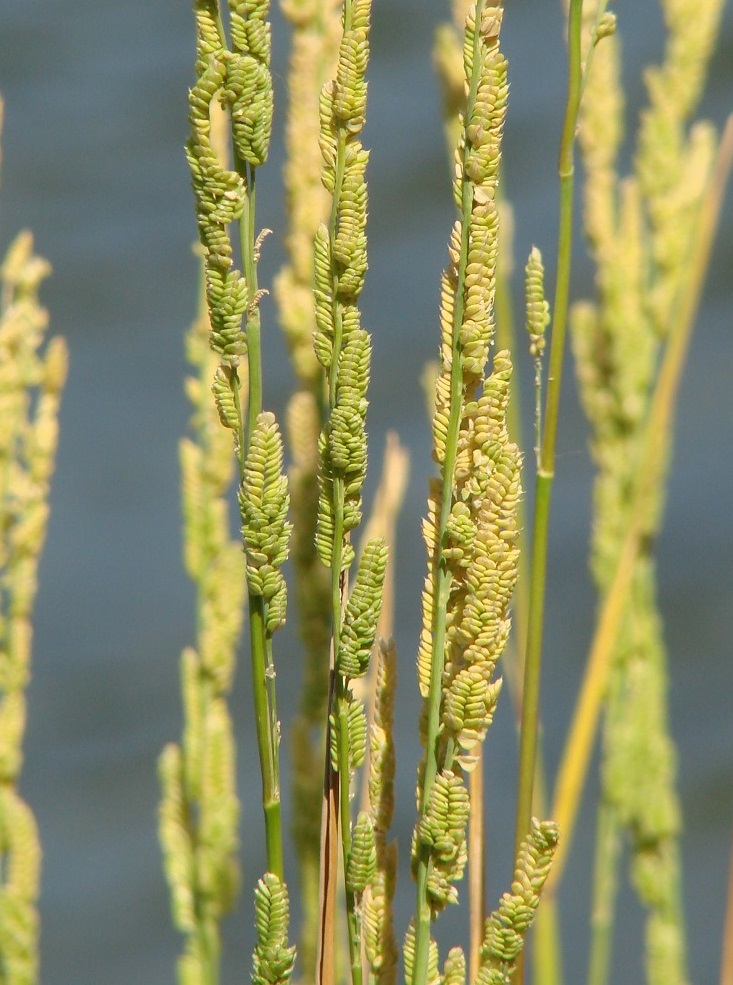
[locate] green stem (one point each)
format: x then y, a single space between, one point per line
545 472
263 670
546 467
266 741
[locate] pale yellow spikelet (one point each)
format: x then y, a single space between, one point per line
454 970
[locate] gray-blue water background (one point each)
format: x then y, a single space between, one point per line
93 163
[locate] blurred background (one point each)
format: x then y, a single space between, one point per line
93 163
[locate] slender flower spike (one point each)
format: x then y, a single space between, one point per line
471 528
343 348
507 926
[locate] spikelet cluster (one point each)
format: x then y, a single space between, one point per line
359 627
341 345
263 504
248 91
199 810
273 960
348 730
475 538
32 377
239 79
507 926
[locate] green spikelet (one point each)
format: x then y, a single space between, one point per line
273 960
362 611
323 288
224 388
363 855
263 503
507 926
354 722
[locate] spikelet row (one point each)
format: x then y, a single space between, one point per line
263 504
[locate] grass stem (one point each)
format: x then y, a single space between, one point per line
546 470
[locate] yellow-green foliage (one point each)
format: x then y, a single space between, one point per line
641 231
32 377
